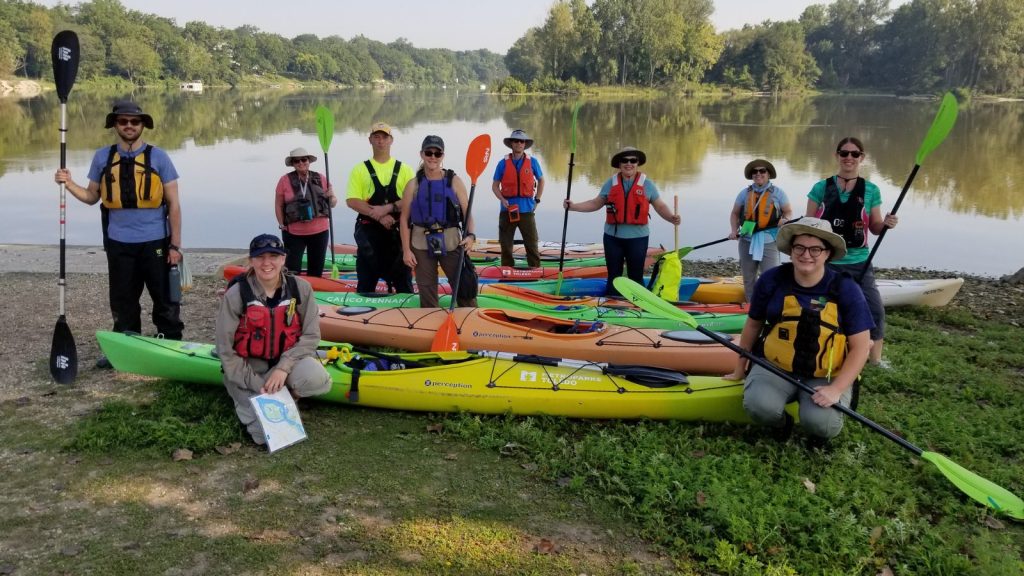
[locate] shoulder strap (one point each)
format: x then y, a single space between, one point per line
147 171
243 287
449 175
293 287
108 171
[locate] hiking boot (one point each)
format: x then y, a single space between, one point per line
782 433
103 363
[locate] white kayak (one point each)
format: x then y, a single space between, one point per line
936 292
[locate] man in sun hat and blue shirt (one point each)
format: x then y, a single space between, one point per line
518 185
268 330
141 216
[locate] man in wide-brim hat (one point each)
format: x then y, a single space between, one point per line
518 185
141 221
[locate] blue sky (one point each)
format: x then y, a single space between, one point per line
454 24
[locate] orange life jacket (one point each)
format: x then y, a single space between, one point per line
632 208
761 209
518 183
265 332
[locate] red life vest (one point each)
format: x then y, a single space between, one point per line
518 184
761 209
632 208
265 332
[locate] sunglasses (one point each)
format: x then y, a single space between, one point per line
517 141
760 170
300 160
629 160
845 153
267 243
433 153
127 121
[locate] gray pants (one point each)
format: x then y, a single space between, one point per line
308 378
750 268
765 396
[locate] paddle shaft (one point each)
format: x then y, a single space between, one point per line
462 250
61 281
675 212
806 388
330 210
706 244
878 241
565 217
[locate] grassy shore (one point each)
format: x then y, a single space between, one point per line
90 486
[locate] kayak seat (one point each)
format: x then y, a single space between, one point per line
648 376
580 327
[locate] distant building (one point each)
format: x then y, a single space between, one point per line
195 86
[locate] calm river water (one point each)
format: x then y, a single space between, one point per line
963 213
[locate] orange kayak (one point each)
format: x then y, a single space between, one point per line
327 284
528 333
530 295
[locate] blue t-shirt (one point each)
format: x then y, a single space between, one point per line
767 301
629 230
135 225
525 204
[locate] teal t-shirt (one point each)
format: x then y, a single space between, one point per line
630 230
872 198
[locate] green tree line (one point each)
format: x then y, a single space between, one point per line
920 46
149 49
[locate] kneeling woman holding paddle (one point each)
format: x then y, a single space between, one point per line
432 208
627 198
811 322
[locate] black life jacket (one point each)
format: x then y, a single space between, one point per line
848 219
382 194
305 207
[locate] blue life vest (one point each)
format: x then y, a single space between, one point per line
435 205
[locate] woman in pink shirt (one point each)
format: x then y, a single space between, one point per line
303 203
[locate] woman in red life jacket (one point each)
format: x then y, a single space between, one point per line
431 224
760 208
627 198
853 206
268 329
302 203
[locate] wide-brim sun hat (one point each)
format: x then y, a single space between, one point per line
812 227
298 153
127 108
629 151
748 171
518 135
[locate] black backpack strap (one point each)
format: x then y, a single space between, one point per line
147 170
293 288
108 171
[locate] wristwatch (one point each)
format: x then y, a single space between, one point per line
174 247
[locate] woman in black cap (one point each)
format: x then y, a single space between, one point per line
759 210
302 202
433 206
627 198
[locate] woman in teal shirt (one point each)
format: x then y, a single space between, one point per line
852 205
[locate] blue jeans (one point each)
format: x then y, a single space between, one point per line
629 251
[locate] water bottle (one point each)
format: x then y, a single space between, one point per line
174 279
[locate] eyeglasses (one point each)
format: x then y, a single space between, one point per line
629 160
814 251
300 160
845 153
127 121
760 170
433 153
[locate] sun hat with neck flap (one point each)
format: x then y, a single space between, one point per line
628 151
816 227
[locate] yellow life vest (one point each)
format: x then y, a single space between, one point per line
807 342
131 182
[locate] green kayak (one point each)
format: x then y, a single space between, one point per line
633 317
